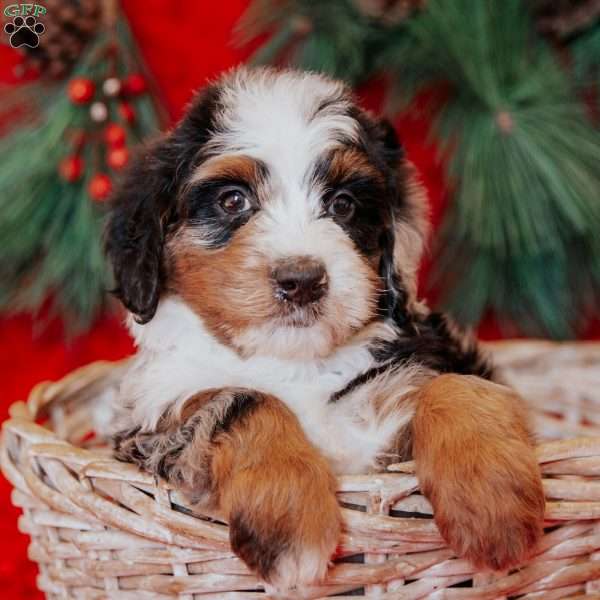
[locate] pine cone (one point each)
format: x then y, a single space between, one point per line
389 12
565 18
70 25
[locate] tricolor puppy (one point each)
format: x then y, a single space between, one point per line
266 249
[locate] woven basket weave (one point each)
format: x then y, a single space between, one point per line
103 529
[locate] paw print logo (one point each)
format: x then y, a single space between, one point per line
24 31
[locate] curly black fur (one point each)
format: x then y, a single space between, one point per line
144 207
431 341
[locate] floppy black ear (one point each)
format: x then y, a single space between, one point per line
134 235
393 301
392 149
146 204
403 242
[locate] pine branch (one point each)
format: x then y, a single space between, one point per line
50 227
331 37
585 51
523 160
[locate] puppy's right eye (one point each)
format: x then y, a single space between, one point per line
234 202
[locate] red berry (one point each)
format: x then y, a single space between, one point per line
81 90
99 187
114 135
71 168
117 158
126 112
134 84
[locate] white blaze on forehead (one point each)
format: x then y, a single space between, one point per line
286 119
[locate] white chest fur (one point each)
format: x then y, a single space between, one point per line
178 357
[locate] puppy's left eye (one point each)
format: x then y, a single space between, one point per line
234 201
341 206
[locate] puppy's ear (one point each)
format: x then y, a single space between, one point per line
145 206
134 234
404 241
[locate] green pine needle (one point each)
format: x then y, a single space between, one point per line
327 37
50 229
585 52
523 159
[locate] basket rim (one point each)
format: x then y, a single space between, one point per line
47 443
574 502
43 393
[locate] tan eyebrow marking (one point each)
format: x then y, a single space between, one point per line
230 166
349 162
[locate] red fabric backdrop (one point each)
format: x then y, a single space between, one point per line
185 44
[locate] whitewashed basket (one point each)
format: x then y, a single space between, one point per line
103 529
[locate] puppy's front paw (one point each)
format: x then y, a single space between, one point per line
491 517
278 494
285 524
477 466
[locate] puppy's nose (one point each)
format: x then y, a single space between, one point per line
300 280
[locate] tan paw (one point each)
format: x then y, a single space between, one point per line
279 495
498 523
477 466
287 528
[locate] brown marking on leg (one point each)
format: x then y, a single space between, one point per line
244 454
476 464
279 494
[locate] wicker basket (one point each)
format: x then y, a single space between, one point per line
103 529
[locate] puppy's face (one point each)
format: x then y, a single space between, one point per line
277 210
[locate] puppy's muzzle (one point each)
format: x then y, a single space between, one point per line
300 280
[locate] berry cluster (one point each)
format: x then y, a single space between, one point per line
110 115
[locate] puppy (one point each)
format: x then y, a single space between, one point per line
267 250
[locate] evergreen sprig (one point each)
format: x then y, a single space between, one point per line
330 37
520 233
585 51
50 229
50 234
